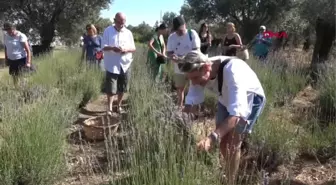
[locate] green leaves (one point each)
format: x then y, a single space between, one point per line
65 16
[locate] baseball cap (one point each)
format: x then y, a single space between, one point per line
178 22
262 27
7 26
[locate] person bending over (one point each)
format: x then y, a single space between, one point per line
241 100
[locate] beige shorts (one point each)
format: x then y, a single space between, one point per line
180 80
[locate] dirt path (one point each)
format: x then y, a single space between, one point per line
88 161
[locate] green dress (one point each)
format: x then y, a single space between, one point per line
156 69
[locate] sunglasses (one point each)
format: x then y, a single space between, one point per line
188 67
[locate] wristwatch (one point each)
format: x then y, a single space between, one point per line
214 136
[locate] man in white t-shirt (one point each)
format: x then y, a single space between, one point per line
241 100
17 51
179 43
118 48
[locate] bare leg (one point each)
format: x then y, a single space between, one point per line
16 81
110 99
180 96
120 98
230 149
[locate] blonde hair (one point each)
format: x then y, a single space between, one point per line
232 25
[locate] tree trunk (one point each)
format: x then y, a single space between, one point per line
47 34
325 36
248 31
306 44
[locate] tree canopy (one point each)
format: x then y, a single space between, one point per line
246 14
42 18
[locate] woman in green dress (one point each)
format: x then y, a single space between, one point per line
157 52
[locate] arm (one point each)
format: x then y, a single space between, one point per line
267 41
131 48
210 39
106 42
238 40
170 47
27 48
150 45
6 57
100 43
164 48
24 41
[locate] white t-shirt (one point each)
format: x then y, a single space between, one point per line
114 61
239 84
195 95
14 46
182 45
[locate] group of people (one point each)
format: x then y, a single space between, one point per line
241 97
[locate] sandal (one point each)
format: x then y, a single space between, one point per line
109 112
120 110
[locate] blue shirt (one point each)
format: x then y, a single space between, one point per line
92 45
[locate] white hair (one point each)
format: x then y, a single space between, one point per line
195 56
193 60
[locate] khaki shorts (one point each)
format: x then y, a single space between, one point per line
116 83
180 80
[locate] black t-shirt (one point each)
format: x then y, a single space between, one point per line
204 48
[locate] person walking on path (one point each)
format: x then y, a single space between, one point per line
118 47
179 43
157 52
92 48
241 100
232 40
205 38
17 51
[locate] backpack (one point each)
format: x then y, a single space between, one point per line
189 33
220 75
